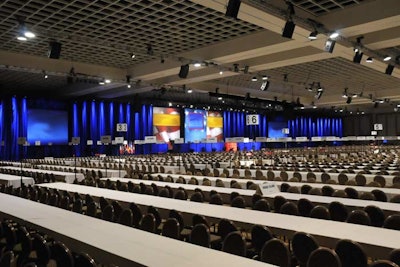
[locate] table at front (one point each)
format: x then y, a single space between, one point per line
69 177
378 242
15 181
111 243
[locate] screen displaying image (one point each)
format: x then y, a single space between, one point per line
195 125
215 125
47 126
166 124
275 129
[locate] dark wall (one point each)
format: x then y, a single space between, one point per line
362 125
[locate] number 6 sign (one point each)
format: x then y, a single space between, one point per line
252 119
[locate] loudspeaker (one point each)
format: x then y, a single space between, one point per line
184 71
232 9
357 57
55 50
289 29
329 45
389 69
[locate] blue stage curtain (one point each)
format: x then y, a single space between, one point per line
1 131
235 125
309 127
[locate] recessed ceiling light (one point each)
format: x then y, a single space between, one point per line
369 60
29 34
107 81
197 64
313 35
254 79
387 58
21 38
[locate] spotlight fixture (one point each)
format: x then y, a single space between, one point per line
357 57
236 67
358 45
264 86
221 72
313 35
132 55
369 60
107 81
45 75
389 69
184 71
150 49
23 33
232 9
319 94
349 98
320 89
264 77
102 82
334 35
387 58
189 91
169 104
197 64
329 45
254 79
246 69
288 30
220 98
128 85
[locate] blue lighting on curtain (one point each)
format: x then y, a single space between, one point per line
75 122
1 131
102 122
128 122
111 125
309 127
121 114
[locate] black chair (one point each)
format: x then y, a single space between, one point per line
197 197
392 222
359 217
180 194
164 192
327 190
259 235
305 189
77 206
91 209
304 206
238 202
276 252
171 228
117 209
61 254
156 213
320 212
303 245
338 211
351 192
285 187
351 254
289 208
126 217
224 228
383 263
84 260
262 205
7 259
42 250
394 256
216 199
108 213
324 257
199 219
148 223
376 215
234 243
200 235
379 195
278 202
137 214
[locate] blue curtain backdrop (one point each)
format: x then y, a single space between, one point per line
92 119
306 126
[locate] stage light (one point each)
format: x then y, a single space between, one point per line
369 60
288 30
189 91
349 98
101 82
265 86
128 85
357 57
107 81
132 55
221 72
387 58
320 87
21 38
236 67
184 71
220 98
389 69
254 79
319 94
23 33
197 64
334 35
232 9
246 69
265 77
313 35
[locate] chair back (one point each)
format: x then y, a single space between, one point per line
61 254
351 254
323 257
137 214
259 235
261 205
126 217
84 260
303 245
304 206
392 222
148 223
7 259
234 243
394 256
276 252
108 213
359 217
171 228
225 227
376 215
383 263
289 208
200 235
351 192
320 212
238 202
338 211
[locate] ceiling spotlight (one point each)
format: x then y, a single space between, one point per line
29 34
128 85
189 91
320 89
334 35
387 58
221 72
369 60
313 35
349 98
132 55
236 67
46 76
101 82
197 64
220 98
265 77
107 81
254 79
246 69
264 85
21 37
169 104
